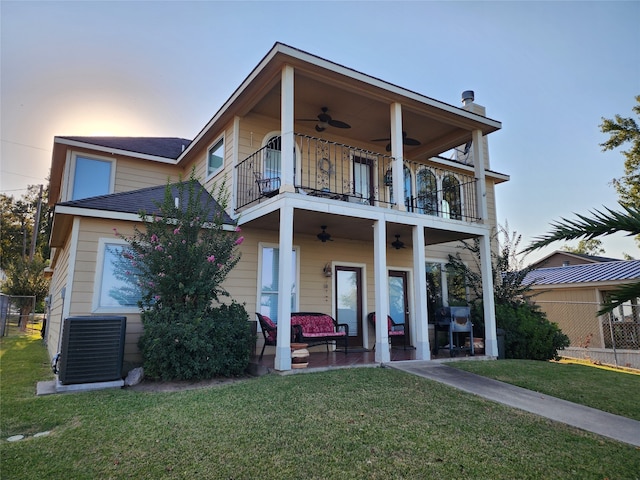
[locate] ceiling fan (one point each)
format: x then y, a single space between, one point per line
324 120
405 140
323 236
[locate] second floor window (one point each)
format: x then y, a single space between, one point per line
91 177
451 198
215 158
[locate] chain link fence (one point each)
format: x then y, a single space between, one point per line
611 339
12 320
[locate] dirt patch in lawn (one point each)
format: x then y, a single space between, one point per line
178 385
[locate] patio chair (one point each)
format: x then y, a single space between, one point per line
394 329
268 187
269 331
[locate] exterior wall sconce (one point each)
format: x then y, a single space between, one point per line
327 270
397 244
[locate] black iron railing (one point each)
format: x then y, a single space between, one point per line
341 172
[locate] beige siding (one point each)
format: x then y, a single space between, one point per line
91 231
58 282
135 174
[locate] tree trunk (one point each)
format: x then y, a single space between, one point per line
25 311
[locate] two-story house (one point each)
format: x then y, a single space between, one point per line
350 193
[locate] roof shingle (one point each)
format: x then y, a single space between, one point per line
146 199
166 147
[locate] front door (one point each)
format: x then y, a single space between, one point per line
348 297
398 299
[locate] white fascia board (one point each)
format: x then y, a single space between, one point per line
111 215
453 164
94 213
114 151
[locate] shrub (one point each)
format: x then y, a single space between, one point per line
528 332
177 345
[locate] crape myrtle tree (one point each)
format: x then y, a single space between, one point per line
528 333
179 261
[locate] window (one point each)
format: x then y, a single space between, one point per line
91 177
444 287
451 198
427 187
116 286
268 281
272 158
215 158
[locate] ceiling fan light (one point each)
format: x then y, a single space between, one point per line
397 244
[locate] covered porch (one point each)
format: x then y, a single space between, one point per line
349 260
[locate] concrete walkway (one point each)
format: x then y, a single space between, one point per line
613 426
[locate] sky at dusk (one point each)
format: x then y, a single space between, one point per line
549 71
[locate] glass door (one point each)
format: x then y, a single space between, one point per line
398 299
349 301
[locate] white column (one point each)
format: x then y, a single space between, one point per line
397 152
421 324
285 283
490 338
481 182
382 291
286 129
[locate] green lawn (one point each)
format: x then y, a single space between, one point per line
611 391
363 423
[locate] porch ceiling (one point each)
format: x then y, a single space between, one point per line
307 222
369 116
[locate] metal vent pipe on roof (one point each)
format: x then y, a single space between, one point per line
467 97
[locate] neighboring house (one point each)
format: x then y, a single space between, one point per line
307 146
560 258
572 295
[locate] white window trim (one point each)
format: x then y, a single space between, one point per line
262 246
72 172
224 157
97 282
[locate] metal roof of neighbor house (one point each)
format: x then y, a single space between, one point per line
146 199
167 147
589 272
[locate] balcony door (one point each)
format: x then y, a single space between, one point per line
363 179
348 301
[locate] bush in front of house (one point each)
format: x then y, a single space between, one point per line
528 334
177 345
179 261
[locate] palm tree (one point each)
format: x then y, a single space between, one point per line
600 223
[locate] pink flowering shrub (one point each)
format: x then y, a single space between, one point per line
182 256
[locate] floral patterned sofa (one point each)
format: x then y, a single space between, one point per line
317 328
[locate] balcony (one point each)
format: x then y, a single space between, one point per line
345 173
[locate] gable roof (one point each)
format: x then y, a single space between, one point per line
146 199
587 273
583 258
165 147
